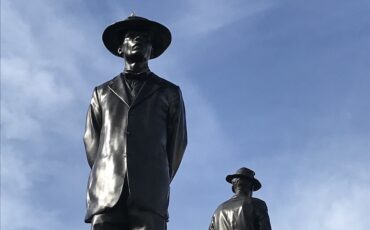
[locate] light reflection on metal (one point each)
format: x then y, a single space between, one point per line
242 211
134 140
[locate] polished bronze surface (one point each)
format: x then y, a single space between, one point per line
242 211
135 133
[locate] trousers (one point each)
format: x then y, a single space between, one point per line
135 221
125 215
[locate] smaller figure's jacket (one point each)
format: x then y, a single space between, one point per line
241 213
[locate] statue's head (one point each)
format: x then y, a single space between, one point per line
136 46
242 185
137 38
243 180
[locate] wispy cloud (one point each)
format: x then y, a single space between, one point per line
324 186
49 69
45 78
37 102
203 17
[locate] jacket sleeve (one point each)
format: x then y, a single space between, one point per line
176 133
92 129
212 224
263 217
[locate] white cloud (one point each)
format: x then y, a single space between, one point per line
333 204
34 83
43 83
328 189
203 17
22 214
20 177
37 100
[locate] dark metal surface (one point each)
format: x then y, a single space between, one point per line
160 39
137 135
242 211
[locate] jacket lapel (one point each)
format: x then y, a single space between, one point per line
117 86
151 85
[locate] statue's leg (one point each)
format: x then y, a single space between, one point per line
145 220
108 226
115 218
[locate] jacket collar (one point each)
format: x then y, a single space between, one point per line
117 86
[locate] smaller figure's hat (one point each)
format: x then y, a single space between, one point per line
160 35
245 173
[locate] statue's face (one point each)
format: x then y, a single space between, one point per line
242 185
137 46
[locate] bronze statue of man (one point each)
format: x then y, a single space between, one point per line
242 211
135 133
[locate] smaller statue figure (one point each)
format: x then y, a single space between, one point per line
242 211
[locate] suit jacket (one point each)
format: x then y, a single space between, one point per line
241 213
144 141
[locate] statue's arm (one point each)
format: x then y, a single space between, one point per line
212 224
92 129
177 133
263 217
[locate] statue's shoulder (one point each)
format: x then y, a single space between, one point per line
259 203
229 204
105 86
107 83
163 82
257 200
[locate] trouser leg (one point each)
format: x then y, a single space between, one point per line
115 218
138 220
145 220
108 226
125 215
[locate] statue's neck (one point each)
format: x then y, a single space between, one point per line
136 67
243 193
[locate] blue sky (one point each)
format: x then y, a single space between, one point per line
281 87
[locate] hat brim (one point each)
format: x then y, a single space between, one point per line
256 184
160 35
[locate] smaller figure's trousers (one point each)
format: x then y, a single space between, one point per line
126 216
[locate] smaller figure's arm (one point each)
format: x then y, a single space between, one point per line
263 217
212 224
92 129
177 133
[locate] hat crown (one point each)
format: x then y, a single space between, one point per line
246 172
134 17
160 35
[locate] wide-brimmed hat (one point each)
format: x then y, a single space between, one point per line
245 173
160 35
